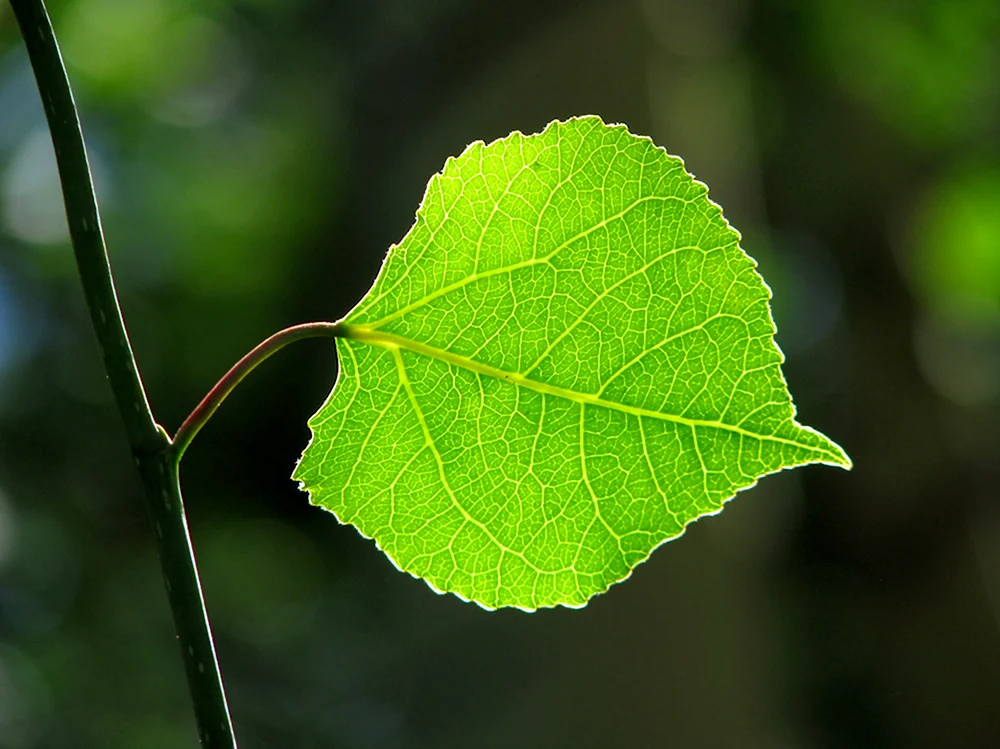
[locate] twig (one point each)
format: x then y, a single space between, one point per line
151 447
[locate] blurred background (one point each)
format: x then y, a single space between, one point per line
254 161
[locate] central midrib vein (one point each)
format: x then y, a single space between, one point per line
394 342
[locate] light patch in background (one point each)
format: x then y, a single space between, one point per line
123 47
928 69
701 100
959 361
950 253
954 246
701 29
19 102
220 76
227 222
31 203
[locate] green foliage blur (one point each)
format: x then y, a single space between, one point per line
254 160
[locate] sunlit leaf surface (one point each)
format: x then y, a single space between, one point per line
565 361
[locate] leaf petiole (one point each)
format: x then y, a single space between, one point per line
204 410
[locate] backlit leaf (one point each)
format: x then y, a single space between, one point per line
565 361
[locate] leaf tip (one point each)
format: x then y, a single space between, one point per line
843 459
835 455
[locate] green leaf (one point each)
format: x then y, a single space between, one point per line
565 361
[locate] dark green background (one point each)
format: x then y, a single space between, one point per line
254 161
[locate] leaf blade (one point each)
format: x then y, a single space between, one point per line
578 360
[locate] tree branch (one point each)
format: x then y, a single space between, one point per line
151 447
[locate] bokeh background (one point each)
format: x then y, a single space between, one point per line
255 159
